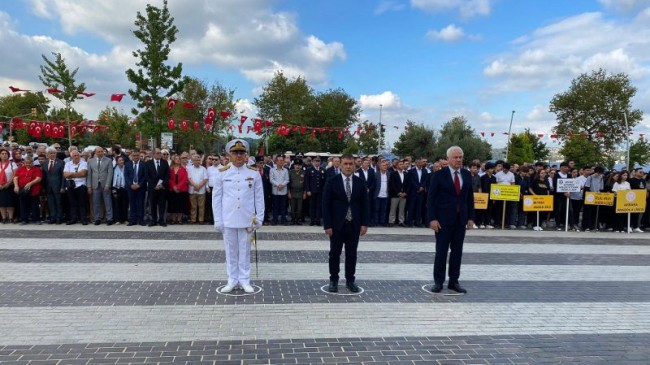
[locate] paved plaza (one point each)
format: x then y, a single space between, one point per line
118 295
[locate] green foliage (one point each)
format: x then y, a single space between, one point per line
119 130
457 132
20 105
520 149
154 80
417 141
55 74
203 97
368 140
293 102
583 151
640 152
594 105
540 151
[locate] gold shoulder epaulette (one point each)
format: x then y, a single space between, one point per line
224 168
252 168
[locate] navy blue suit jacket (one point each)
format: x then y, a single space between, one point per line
414 184
335 203
129 172
370 182
444 205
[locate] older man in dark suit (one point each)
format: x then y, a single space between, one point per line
450 210
157 179
345 218
54 184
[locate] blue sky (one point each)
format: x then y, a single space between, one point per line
423 60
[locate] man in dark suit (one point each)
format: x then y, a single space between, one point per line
345 216
54 184
450 212
333 170
135 176
157 179
367 174
417 193
314 183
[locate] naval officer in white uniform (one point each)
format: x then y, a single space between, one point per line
238 199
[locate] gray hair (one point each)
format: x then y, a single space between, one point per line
452 149
51 149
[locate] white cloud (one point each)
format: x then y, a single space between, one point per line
450 33
624 5
249 36
388 5
245 107
466 8
553 55
387 100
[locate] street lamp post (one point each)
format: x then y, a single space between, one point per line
509 132
627 139
379 131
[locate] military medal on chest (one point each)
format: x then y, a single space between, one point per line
250 181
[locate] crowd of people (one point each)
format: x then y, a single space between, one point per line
45 184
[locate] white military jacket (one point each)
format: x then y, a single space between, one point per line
237 196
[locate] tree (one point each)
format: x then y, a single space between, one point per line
594 107
520 149
294 103
457 132
417 141
154 80
55 75
540 151
583 151
639 152
368 140
202 97
21 106
119 130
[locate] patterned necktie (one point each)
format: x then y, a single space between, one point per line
51 166
135 174
457 182
348 192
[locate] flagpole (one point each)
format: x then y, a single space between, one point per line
509 132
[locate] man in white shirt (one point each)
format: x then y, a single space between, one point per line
198 178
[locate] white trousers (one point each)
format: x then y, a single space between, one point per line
238 255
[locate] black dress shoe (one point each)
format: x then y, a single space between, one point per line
142 223
130 224
437 288
151 225
334 287
457 288
98 222
85 223
109 223
69 223
352 287
162 224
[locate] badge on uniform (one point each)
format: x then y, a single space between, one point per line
250 181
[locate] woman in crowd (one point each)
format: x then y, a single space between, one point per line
7 195
27 184
120 195
539 186
211 163
621 184
178 191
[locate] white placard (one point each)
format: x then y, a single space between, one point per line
567 186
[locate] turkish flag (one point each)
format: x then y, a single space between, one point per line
268 123
257 125
48 130
54 90
303 129
540 135
239 127
248 129
2 125
32 127
15 89
184 124
85 94
73 130
171 103
196 125
210 115
37 131
189 105
242 119
340 135
482 134
171 124
117 97
230 127
225 114
283 131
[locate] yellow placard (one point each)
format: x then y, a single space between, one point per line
504 192
592 198
538 203
481 200
630 201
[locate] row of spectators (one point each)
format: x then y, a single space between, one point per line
159 187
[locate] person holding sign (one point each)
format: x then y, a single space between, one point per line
539 186
595 184
450 211
621 184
